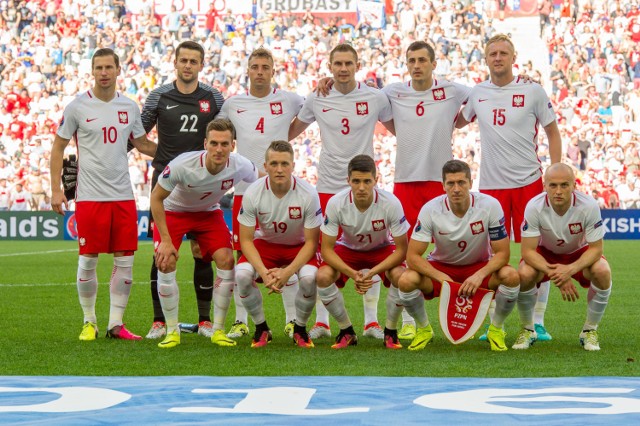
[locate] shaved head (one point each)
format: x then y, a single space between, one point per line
559 170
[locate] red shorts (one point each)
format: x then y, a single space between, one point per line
208 228
362 260
458 273
414 195
278 255
235 225
107 226
564 259
513 202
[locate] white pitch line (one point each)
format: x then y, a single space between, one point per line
28 253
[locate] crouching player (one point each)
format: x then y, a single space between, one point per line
471 247
373 242
562 238
186 200
287 212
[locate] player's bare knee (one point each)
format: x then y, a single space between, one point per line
195 249
408 281
509 276
394 275
224 259
325 277
600 274
528 276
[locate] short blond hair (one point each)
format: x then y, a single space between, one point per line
498 38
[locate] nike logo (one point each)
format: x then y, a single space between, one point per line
326 109
443 233
89 120
240 111
163 295
482 100
288 284
244 297
263 212
399 306
329 302
128 282
82 280
190 186
308 297
206 288
400 95
172 106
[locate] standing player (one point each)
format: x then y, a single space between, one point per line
424 114
181 111
347 117
373 242
287 212
562 238
471 247
260 116
508 113
102 121
186 199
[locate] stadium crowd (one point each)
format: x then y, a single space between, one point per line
594 77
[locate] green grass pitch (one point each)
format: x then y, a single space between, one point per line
40 320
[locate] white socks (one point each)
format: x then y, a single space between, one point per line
87 284
222 294
169 296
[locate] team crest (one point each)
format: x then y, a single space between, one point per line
82 241
295 213
226 184
362 108
205 106
276 108
477 227
123 117
575 228
517 101
438 94
378 225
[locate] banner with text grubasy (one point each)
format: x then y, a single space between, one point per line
200 7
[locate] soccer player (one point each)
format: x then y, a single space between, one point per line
425 111
471 247
181 111
373 242
562 238
347 117
260 116
508 112
102 121
186 199
287 212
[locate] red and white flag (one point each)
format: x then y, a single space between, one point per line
461 317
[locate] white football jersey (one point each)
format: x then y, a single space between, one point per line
346 123
509 118
194 189
368 230
281 220
102 130
260 121
461 241
424 123
579 226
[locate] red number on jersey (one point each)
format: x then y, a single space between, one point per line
363 237
420 109
345 126
462 245
559 243
109 134
205 195
260 126
498 117
279 227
